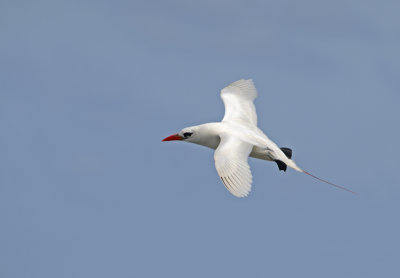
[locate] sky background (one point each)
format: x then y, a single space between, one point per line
89 88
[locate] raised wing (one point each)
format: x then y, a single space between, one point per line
238 98
232 166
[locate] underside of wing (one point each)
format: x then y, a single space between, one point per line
231 163
238 99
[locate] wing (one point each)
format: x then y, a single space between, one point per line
238 99
232 167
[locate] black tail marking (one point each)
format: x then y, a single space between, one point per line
282 166
287 152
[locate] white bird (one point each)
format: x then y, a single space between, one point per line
236 138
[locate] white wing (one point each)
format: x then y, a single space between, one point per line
238 98
232 167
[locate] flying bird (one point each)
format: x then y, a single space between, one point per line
236 138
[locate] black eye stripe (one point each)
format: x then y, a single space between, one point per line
187 134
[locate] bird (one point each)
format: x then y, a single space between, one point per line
237 137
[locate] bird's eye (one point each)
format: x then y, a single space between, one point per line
187 134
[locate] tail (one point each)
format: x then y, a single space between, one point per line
295 167
335 185
292 164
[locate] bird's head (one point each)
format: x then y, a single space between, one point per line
186 134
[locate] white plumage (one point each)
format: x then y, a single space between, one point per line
238 98
236 138
232 166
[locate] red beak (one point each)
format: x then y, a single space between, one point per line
173 137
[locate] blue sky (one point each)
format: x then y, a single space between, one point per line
89 88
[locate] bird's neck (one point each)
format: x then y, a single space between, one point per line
208 135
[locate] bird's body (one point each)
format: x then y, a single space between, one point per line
236 138
209 135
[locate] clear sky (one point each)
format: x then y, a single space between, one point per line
89 88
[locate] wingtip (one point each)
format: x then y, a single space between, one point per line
246 86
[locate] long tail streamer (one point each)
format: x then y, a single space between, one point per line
335 185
